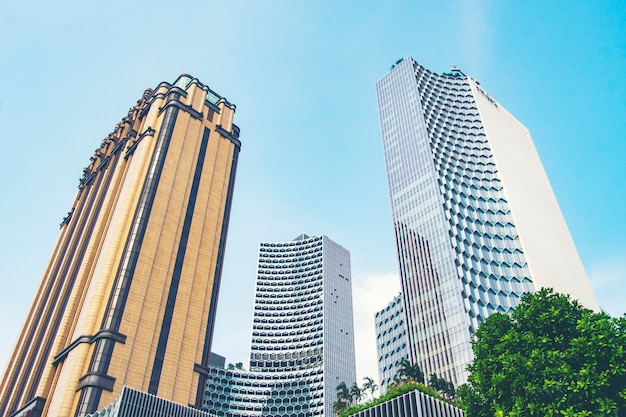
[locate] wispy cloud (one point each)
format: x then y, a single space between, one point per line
370 294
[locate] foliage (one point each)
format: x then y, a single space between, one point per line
446 388
344 399
369 385
343 391
339 406
452 74
409 371
397 62
393 390
551 357
238 366
356 393
346 396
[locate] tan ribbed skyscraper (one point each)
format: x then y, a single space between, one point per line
130 293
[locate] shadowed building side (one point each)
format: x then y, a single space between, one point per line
130 293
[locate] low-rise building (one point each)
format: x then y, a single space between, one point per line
412 404
133 403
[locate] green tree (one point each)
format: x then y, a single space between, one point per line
446 388
393 390
369 385
551 357
356 393
450 391
434 382
339 406
409 371
343 398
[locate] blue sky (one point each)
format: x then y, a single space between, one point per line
303 75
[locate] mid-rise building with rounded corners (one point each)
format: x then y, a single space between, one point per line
302 335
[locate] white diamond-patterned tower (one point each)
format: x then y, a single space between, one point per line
476 222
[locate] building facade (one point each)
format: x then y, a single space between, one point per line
476 222
302 335
391 341
130 293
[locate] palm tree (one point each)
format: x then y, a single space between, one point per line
451 391
410 371
356 394
343 398
369 385
339 406
238 366
446 388
342 391
435 382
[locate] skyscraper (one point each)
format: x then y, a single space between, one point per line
130 293
391 341
476 222
302 335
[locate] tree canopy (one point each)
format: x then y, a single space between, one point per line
353 394
238 366
444 387
409 371
369 385
550 357
343 398
393 390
